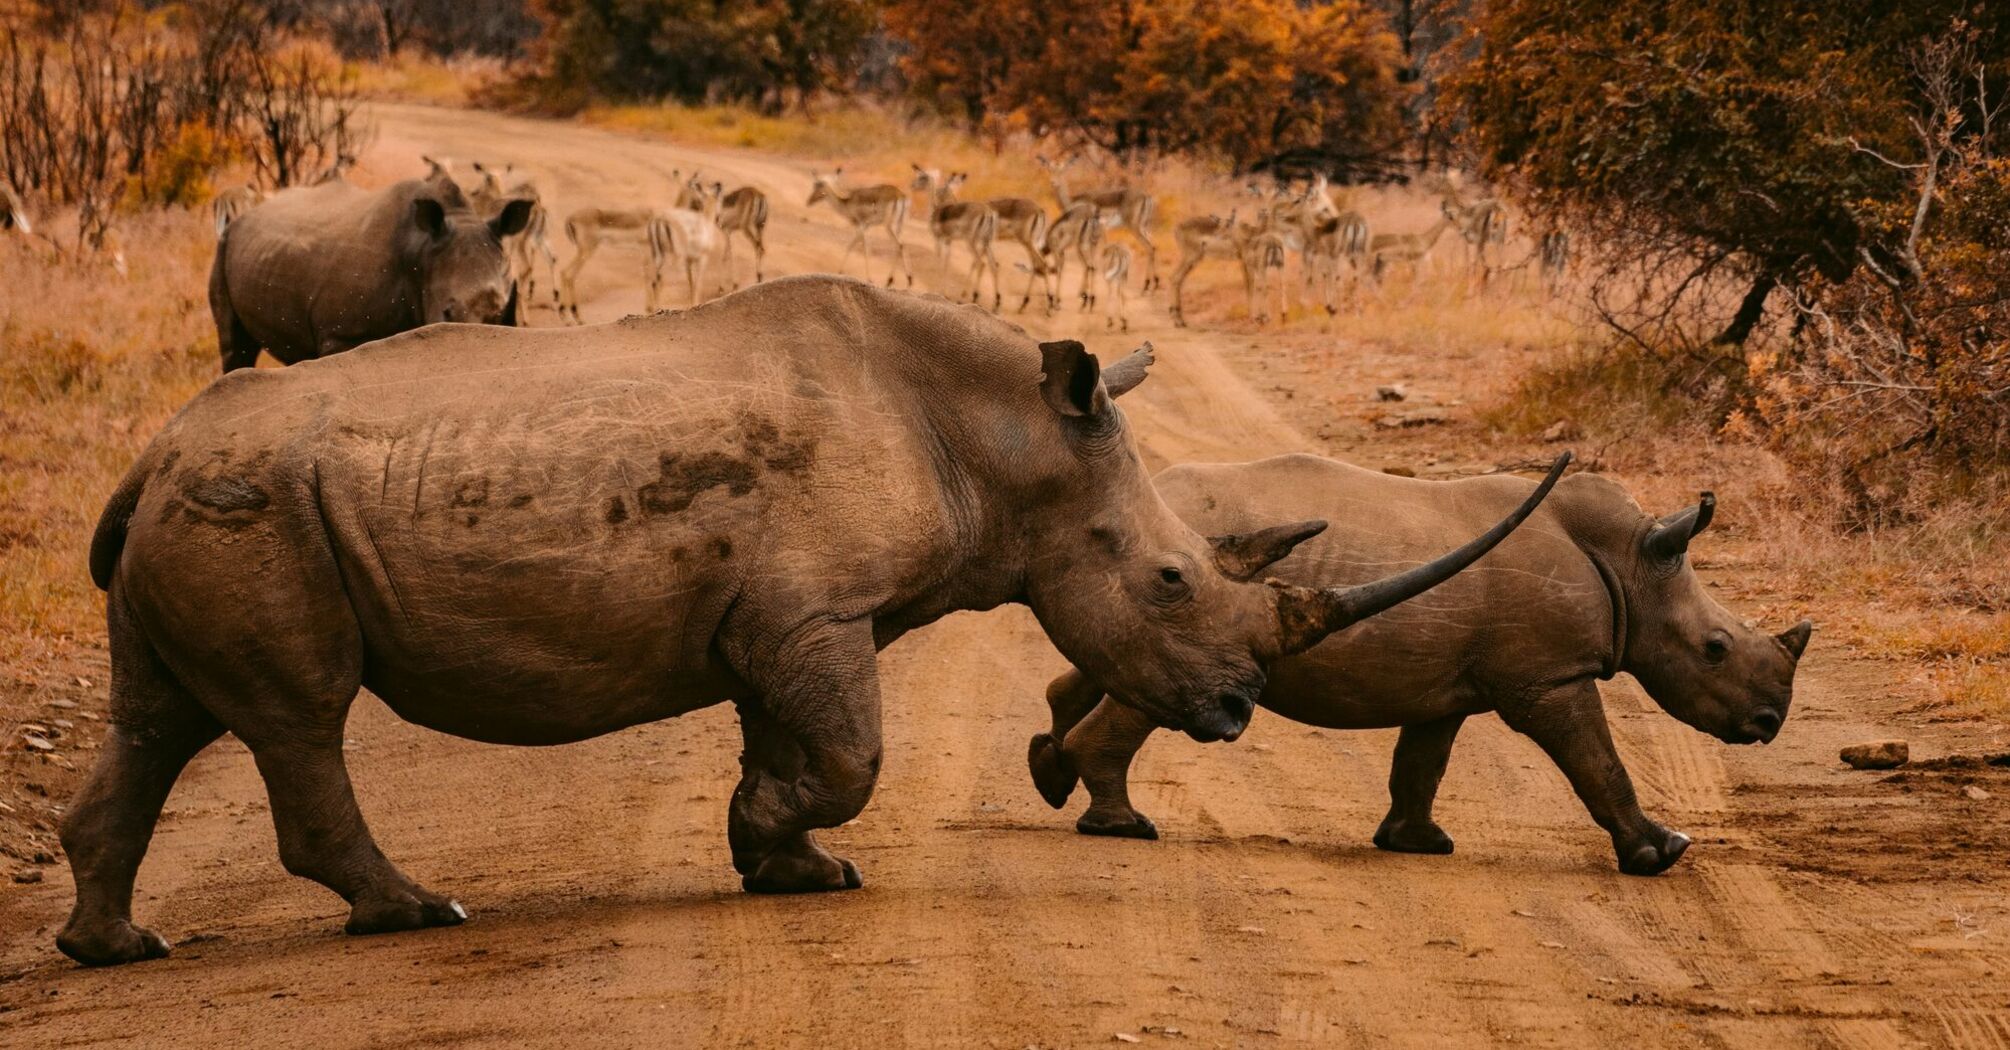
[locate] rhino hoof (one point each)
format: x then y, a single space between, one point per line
797 873
118 942
1650 859
1132 825
1399 836
1053 774
394 915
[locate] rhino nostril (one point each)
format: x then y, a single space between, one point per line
1764 723
1237 709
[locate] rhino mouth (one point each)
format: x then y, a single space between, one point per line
1760 727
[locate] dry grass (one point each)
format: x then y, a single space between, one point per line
419 77
94 366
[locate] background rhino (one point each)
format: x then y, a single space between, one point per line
322 269
534 536
1590 587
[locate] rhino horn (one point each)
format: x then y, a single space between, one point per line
1306 615
1242 555
1121 377
1795 638
1669 538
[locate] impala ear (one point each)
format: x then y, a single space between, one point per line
1121 377
1071 380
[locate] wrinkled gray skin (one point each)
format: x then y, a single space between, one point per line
536 536
1591 586
323 269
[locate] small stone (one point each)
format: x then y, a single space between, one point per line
1126 1037
1392 392
27 875
1975 794
1401 472
38 743
1561 430
85 682
1256 930
62 705
1877 754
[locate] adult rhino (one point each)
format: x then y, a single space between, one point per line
1592 586
535 536
323 269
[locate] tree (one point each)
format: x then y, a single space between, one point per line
766 52
1258 82
1720 137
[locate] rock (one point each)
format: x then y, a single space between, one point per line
37 743
1562 430
1422 417
1401 472
1975 794
1393 392
27 875
62 705
1877 754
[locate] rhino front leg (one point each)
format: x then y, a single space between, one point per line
812 756
1101 747
1070 698
1569 723
1421 753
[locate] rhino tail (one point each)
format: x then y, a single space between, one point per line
110 538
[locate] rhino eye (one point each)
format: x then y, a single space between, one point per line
1171 576
1715 649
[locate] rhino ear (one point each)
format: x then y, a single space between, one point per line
1795 638
1071 381
1669 539
1243 555
509 222
430 216
1119 378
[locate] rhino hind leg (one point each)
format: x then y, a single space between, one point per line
322 837
156 728
1569 724
1101 747
811 756
1421 753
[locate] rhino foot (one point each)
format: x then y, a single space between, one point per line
1053 774
415 909
1412 836
1652 857
111 944
802 872
1128 824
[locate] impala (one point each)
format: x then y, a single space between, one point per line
866 208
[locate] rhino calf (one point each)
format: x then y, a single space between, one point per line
323 269
1589 588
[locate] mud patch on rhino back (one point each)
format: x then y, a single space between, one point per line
681 478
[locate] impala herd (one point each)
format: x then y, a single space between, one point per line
1338 252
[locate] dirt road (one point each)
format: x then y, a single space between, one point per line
1818 907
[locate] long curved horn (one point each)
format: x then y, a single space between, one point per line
1306 615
